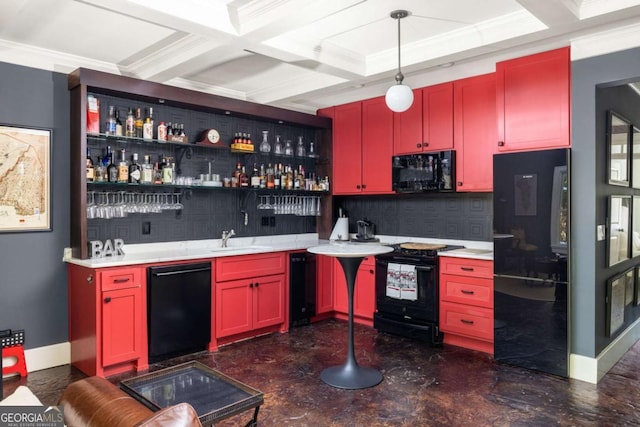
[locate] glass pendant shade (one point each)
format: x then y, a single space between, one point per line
399 98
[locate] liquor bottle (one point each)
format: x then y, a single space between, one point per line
112 170
162 132
123 168
244 178
167 172
130 124
249 141
139 123
110 128
255 177
236 175
262 177
147 127
147 171
157 172
276 178
100 171
283 177
90 169
135 170
169 129
118 123
289 178
270 177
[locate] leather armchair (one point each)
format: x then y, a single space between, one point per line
95 402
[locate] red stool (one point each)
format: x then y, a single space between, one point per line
20 367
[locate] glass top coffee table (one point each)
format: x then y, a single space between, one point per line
212 394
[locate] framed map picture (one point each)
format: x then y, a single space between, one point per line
25 187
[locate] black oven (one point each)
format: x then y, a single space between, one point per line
407 293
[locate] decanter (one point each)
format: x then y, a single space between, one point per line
288 148
278 148
301 151
265 147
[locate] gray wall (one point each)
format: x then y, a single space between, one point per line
33 281
588 269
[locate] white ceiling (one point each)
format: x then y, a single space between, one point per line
297 54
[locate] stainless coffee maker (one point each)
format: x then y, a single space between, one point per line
366 231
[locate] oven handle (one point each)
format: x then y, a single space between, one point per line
425 267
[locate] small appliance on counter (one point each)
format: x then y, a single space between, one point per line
366 232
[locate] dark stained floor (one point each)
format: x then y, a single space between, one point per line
422 386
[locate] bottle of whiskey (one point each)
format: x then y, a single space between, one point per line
255 177
270 177
110 128
147 171
139 123
244 178
100 171
123 168
130 124
118 124
135 170
90 168
147 127
112 169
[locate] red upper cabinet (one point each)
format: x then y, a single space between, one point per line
407 128
377 146
362 147
428 124
475 132
437 117
534 101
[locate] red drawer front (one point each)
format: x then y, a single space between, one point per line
466 267
466 290
243 266
465 320
121 278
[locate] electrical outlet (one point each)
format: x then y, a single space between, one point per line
272 221
146 227
264 220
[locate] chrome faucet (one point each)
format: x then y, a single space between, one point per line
225 236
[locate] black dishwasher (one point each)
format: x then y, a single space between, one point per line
302 288
178 309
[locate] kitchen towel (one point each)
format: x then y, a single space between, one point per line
393 280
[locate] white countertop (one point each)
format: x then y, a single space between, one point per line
350 250
153 253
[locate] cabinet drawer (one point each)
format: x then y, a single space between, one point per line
462 319
247 266
466 267
466 290
121 278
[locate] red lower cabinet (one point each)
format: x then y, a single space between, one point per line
107 319
466 303
249 304
364 298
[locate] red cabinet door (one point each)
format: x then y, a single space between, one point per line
475 132
437 117
122 324
534 101
407 127
268 301
377 146
364 301
234 302
347 149
324 288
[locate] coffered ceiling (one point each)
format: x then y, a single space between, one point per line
296 54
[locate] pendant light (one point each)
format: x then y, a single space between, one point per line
399 96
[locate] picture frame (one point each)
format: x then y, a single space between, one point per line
616 288
25 179
629 281
635 157
618 227
618 153
636 292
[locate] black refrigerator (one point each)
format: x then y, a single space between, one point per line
531 252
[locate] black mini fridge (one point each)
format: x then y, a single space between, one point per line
302 288
531 252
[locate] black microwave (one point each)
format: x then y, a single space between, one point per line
424 172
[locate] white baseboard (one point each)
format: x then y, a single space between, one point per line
44 357
591 369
